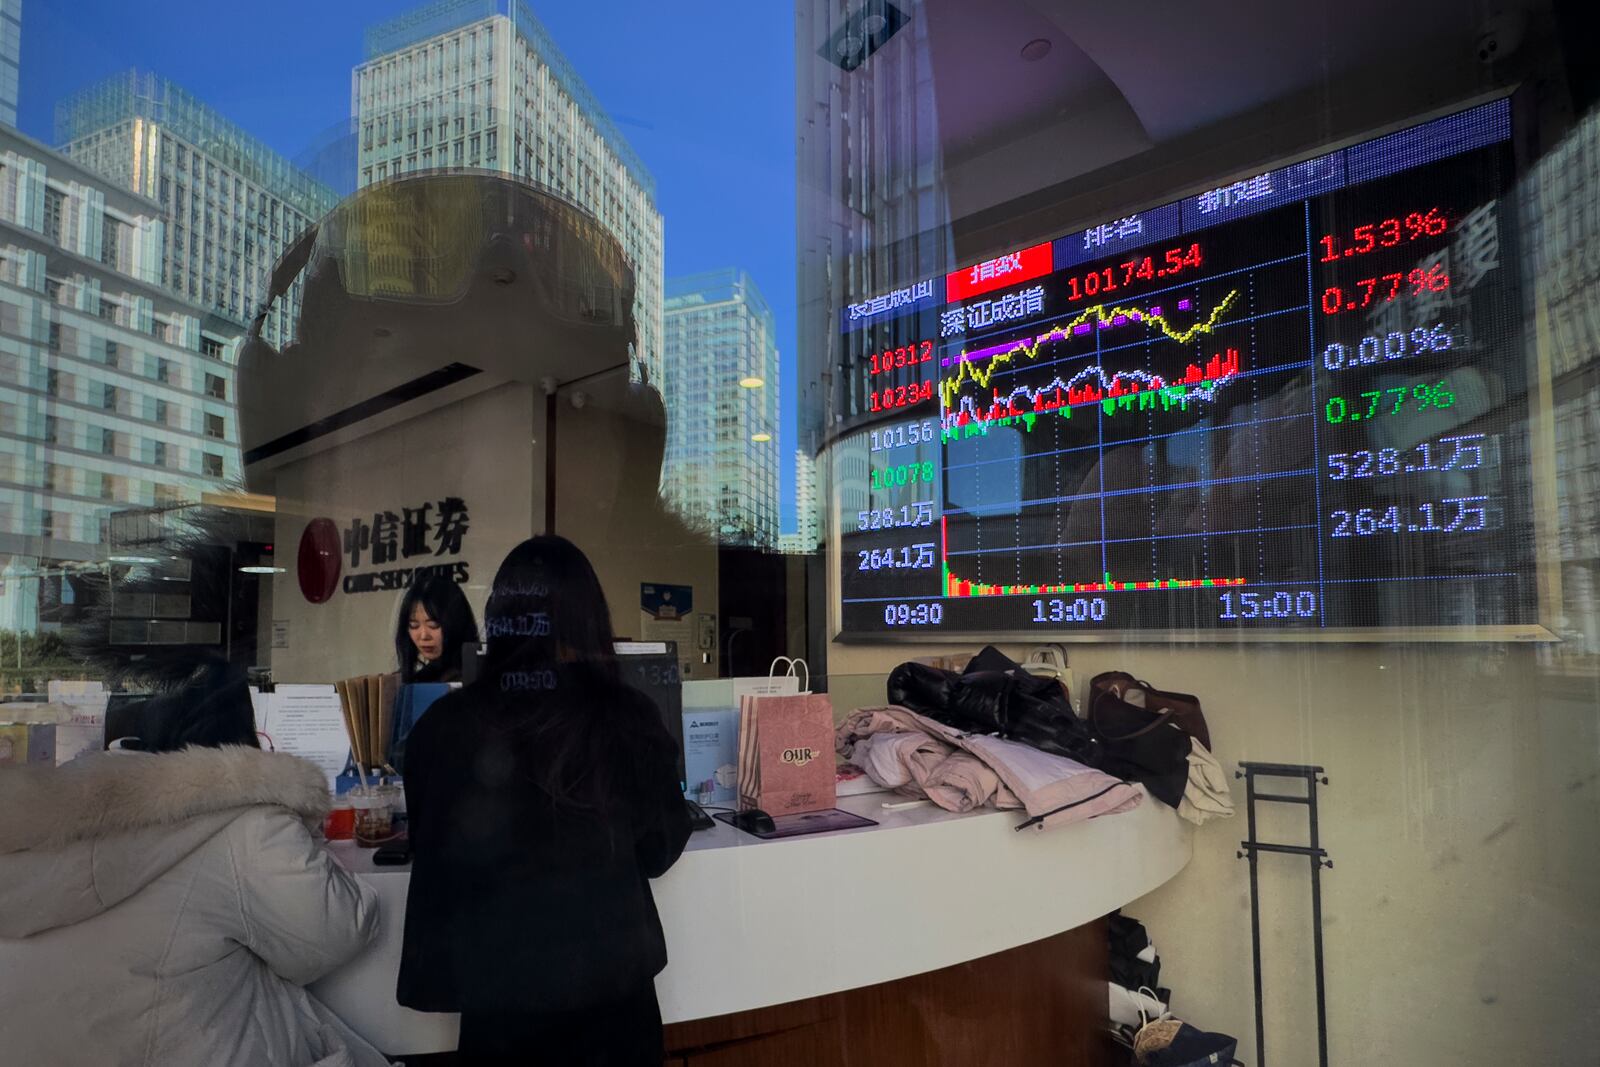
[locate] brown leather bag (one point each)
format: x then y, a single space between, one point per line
1180 709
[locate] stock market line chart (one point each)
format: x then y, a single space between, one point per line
1295 402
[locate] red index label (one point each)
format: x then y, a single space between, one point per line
999 272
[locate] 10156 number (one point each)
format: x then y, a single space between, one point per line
911 433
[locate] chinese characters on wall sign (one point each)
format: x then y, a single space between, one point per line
427 531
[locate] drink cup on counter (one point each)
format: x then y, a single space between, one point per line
374 808
341 823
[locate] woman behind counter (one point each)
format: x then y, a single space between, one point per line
435 621
542 799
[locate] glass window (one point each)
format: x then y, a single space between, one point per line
55 202
1244 351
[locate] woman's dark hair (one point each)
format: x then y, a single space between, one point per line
546 610
213 709
447 605
551 670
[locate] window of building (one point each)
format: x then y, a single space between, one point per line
108 442
215 426
55 208
110 239
163 370
109 397
52 429
113 354
52 381
54 337
166 494
216 386
162 411
158 453
211 465
211 347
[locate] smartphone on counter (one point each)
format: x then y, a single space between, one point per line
393 854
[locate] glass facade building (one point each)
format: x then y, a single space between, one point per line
10 59
721 469
115 393
480 83
232 203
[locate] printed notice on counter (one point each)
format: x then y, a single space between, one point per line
305 721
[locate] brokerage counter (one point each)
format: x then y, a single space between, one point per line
752 924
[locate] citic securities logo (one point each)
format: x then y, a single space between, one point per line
428 531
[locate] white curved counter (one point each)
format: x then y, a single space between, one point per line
753 923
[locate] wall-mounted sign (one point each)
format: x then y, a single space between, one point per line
430 531
666 601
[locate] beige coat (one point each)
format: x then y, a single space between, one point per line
916 755
165 910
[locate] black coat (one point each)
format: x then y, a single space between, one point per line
518 903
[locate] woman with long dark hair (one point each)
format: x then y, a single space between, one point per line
542 799
435 621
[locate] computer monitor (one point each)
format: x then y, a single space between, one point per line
649 666
652 668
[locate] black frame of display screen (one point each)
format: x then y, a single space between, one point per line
1280 446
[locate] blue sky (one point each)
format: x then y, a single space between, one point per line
703 90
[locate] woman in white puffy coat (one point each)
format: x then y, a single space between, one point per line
167 908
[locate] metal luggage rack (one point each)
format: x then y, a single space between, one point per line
1253 847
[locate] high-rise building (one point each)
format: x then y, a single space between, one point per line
10 59
233 204
721 374
114 392
872 215
807 533
480 83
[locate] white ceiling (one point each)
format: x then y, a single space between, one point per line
1124 77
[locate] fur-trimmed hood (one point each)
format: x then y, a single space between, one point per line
121 820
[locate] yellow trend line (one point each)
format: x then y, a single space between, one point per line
951 386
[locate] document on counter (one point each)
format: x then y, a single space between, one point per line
305 721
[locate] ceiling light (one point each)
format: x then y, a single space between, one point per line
260 570
751 381
1036 49
761 437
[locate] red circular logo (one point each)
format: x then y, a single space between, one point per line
320 560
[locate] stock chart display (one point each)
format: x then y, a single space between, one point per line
1293 402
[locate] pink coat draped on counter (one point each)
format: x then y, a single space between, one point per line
916 755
